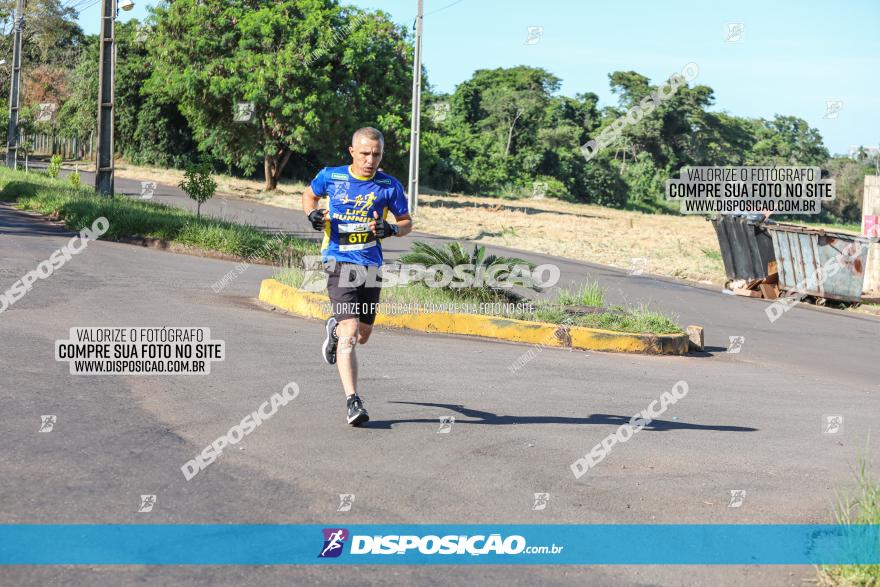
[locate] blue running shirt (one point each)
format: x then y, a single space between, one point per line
351 202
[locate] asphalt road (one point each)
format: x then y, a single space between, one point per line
752 420
804 339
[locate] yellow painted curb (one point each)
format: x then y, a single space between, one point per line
312 305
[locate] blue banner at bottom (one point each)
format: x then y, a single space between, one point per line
606 544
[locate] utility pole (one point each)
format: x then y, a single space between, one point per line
14 89
104 163
413 185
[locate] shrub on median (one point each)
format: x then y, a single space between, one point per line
478 262
636 319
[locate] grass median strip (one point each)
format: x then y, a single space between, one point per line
635 320
79 206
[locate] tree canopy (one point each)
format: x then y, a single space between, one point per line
272 89
304 83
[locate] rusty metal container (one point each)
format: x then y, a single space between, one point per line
746 247
803 256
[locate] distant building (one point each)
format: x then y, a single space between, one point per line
871 152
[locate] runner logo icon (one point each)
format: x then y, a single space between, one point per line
334 540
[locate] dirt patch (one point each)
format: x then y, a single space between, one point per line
287 195
681 247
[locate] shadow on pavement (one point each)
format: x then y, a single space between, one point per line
708 351
482 417
16 223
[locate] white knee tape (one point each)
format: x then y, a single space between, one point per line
347 344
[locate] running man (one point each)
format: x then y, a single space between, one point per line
359 198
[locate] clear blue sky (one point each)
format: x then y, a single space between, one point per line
792 58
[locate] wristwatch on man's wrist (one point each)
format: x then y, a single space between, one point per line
394 229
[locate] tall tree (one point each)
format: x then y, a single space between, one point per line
788 140
78 114
51 33
495 119
149 126
308 67
51 45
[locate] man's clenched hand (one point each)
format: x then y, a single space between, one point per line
317 217
381 227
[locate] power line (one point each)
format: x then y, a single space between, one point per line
90 4
79 5
75 4
72 4
444 7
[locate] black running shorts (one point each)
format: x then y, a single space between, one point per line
350 301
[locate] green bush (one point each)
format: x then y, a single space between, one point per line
849 178
599 183
198 185
548 187
54 166
645 181
454 255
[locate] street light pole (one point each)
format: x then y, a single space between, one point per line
104 162
413 185
14 89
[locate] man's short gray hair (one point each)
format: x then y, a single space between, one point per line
370 133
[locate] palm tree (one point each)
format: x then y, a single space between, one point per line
454 254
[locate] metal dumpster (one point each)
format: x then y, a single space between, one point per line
746 247
803 255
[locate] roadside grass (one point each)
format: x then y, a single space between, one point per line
79 206
854 227
637 319
714 255
672 245
868 308
861 508
587 294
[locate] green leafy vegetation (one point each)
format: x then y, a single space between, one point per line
587 294
564 310
561 310
54 166
79 206
480 265
198 185
861 508
714 255
312 69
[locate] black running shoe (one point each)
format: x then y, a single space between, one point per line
357 415
329 348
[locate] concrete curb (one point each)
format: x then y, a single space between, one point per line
311 305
